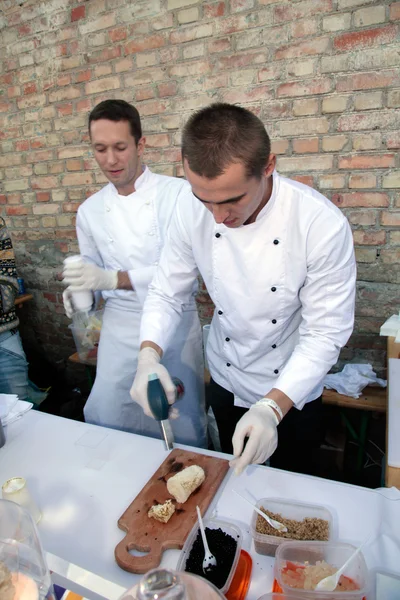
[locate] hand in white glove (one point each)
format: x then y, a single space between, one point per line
259 424
148 363
69 309
86 276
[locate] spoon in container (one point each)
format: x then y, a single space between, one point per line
275 524
329 584
209 560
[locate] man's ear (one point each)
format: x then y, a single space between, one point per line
270 166
141 145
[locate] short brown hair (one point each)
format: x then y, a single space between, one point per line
118 110
221 134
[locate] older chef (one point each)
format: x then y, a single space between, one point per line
121 231
278 262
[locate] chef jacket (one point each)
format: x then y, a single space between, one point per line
283 289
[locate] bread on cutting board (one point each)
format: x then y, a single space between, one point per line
184 483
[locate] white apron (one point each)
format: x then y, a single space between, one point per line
128 233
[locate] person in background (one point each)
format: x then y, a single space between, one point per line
277 259
121 232
13 363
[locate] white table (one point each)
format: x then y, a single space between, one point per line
84 477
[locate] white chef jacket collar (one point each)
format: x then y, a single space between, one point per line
140 181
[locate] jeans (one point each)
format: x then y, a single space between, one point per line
13 366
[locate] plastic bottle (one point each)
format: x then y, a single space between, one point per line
83 300
2 435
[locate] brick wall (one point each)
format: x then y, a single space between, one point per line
323 75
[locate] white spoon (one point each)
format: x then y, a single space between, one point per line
328 584
275 524
209 560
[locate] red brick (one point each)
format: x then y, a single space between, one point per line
356 40
371 120
37 143
393 139
63 80
219 45
14 198
14 91
62 247
303 146
167 89
65 109
3 199
238 60
104 55
70 206
261 92
5 107
214 9
7 79
14 211
159 140
83 105
78 13
292 12
147 43
362 161
118 34
188 34
366 81
306 179
22 145
395 11
83 76
367 199
24 29
294 88
35 157
42 196
369 238
309 47
77 179
30 88
44 183
390 219
144 93
74 164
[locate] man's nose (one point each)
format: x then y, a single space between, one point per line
111 157
220 213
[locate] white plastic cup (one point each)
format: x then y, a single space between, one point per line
16 490
83 300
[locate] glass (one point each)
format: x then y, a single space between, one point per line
21 556
16 490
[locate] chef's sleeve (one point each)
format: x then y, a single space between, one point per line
327 308
173 283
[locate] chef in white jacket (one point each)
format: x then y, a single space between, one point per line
278 262
121 232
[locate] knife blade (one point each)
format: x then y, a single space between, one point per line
160 408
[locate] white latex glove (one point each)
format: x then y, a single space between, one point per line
259 424
69 309
86 276
148 363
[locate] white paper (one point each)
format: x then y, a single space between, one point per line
394 413
7 403
17 411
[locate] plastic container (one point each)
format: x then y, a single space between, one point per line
228 528
279 596
268 544
82 301
21 555
335 554
164 584
87 338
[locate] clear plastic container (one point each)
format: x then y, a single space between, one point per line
278 596
268 544
21 556
164 584
228 528
333 553
87 337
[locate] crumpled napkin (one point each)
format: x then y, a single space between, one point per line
353 379
12 409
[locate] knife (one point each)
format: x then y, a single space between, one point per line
160 408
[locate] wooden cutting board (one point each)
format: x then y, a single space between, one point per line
148 535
